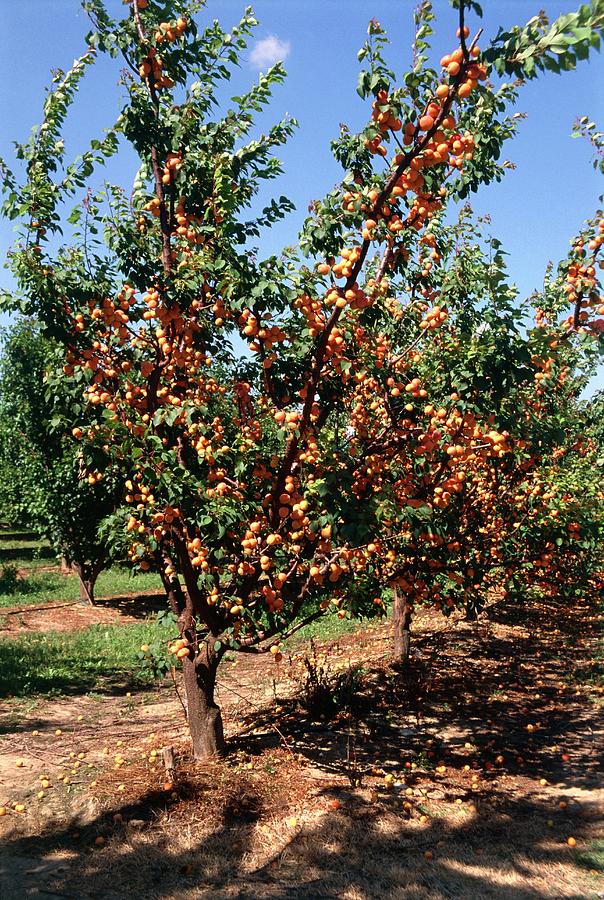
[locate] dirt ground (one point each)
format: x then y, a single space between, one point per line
68 616
475 775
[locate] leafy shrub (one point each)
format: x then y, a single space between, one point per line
9 580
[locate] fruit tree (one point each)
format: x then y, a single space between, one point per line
261 484
44 484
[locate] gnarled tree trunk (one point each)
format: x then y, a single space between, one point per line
203 714
199 669
401 619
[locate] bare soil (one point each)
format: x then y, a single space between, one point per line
118 609
461 778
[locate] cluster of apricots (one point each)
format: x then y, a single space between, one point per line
170 31
582 289
508 524
442 146
171 166
450 149
433 318
151 70
549 373
180 648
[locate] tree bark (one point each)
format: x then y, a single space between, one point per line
88 575
87 590
203 714
401 618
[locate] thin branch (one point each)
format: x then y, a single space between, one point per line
176 690
321 347
252 648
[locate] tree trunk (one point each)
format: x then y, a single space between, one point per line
401 618
87 590
88 576
204 717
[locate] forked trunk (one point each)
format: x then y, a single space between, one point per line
88 576
199 671
204 717
87 590
401 618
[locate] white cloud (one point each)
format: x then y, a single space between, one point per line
268 51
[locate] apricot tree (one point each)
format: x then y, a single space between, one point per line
44 483
489 519
260 486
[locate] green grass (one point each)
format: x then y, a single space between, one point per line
22 562
592 857
28 553
24 543
101 658
45 587
118 581
15 532
327 628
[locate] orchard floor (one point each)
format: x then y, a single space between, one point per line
118 609
463 779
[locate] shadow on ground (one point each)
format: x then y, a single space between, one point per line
487 711
365 849
495 701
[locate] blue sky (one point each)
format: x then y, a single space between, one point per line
536 209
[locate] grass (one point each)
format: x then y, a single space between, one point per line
24 548
592 857
27 553
328 628
100 658
45 587
36 562
26 543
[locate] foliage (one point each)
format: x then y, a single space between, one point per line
153 658
587 129
555 47
43 481
9 579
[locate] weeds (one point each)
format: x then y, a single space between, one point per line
9 579
325 693
153 657
592 857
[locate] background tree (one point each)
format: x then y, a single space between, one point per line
43 474
473 526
